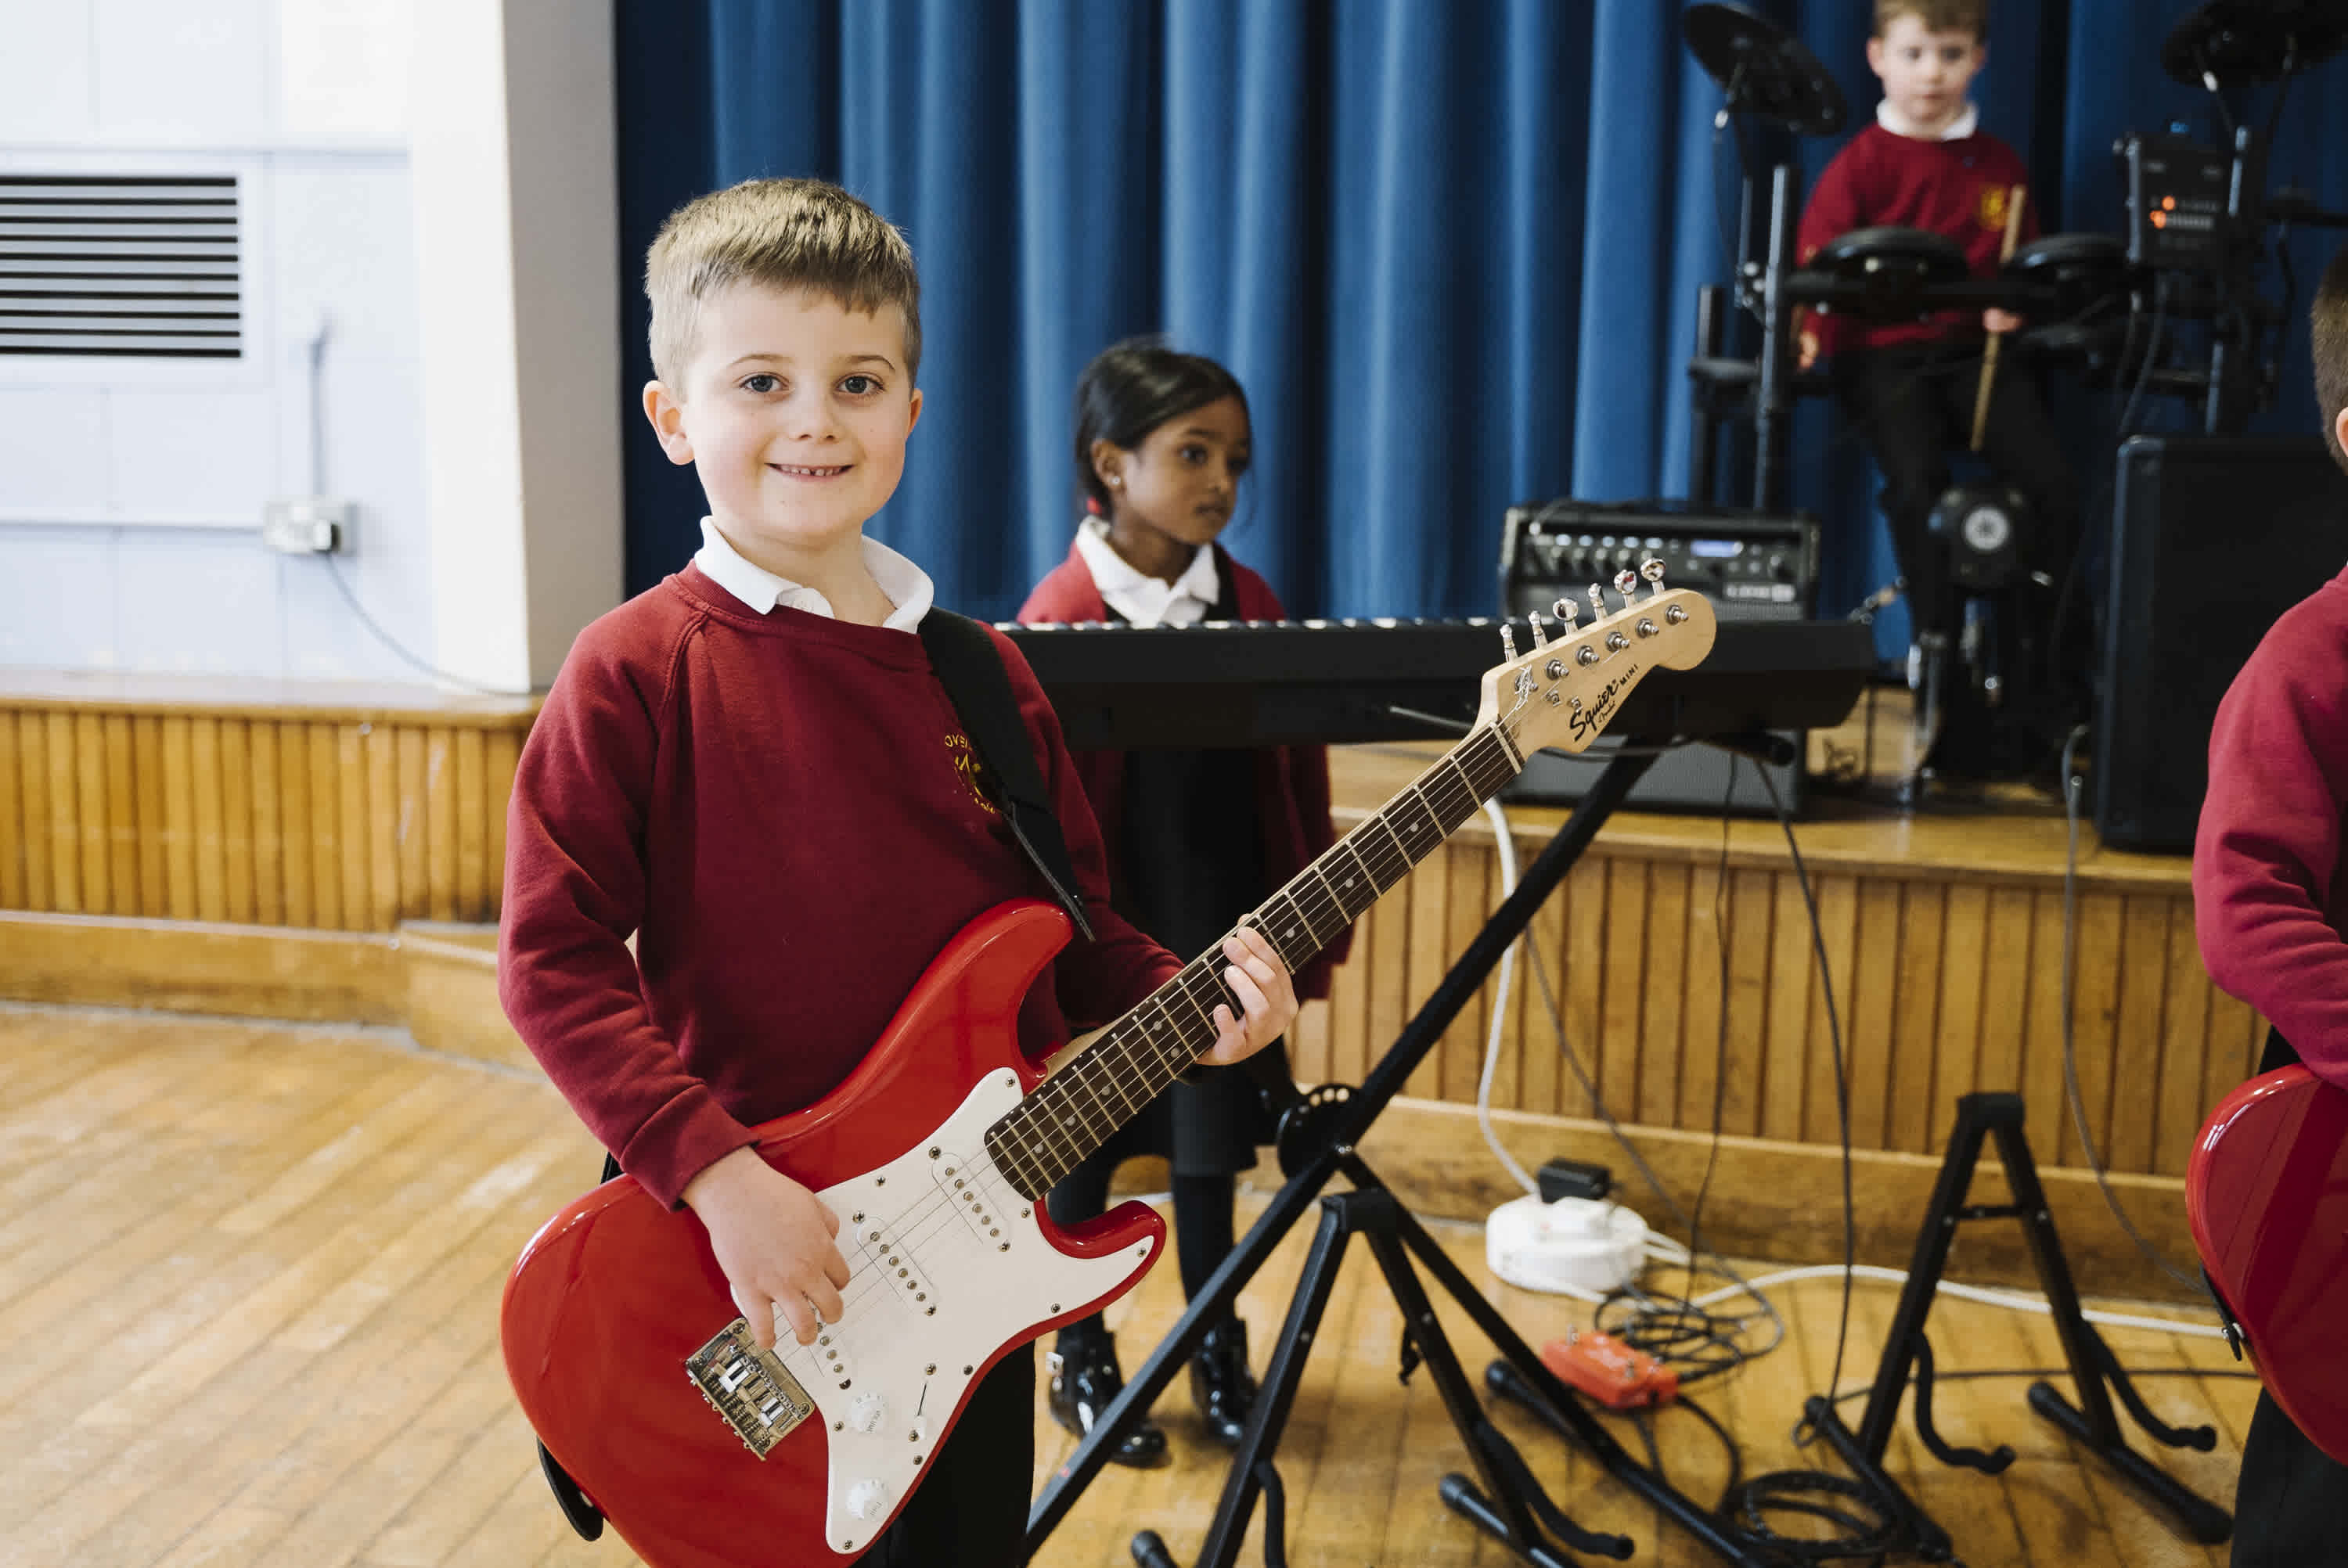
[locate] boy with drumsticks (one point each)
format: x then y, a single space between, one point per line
1915 388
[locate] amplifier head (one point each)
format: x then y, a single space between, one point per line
1753 566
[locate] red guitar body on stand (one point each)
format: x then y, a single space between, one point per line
2266 1192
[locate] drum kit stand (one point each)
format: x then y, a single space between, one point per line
2115 305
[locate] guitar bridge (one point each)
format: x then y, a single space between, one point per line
749 1387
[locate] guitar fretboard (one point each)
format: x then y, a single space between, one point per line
1073 1113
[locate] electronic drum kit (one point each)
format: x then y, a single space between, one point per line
2078 292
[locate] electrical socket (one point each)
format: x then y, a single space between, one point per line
307 525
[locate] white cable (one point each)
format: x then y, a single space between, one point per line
1500 1010
2015 1300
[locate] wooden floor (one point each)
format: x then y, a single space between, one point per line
247 1284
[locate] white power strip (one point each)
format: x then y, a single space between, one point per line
1574 1247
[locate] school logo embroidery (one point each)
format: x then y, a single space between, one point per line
965 765
1992 206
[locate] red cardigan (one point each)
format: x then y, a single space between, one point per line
1292 782
2270 903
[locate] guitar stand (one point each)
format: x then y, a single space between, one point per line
1508 1503
2096 1372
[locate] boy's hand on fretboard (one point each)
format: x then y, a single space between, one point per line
1267 999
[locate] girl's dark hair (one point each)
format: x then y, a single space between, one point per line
1133 387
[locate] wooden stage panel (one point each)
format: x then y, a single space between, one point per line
1945 940
319 805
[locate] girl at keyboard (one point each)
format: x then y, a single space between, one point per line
1161 443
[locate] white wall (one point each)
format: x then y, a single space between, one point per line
130 497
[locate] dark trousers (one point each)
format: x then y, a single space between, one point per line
1202 1220
2291 1505
1914 405
972 1508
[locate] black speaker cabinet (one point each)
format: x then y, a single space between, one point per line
2213 537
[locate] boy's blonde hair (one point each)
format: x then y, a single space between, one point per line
782 234
2328 317
1937 16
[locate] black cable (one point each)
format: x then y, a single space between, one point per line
1843 1085
1720 1038
2153 346
2071 782
389 640
1665 1326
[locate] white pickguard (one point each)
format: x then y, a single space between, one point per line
947 1264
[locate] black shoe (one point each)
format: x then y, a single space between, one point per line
1084 1380
1221 1384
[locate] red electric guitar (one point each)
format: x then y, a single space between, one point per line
701 1450
2266 1192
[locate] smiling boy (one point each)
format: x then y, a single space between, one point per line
752 769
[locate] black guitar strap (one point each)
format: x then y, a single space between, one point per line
968 665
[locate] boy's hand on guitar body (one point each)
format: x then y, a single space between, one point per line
1267 996
773 1238
1997 321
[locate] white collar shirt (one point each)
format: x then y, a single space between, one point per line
907 585
1144 599
1898 124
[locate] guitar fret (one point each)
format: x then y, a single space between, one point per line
1358 879
1309 895
1284 919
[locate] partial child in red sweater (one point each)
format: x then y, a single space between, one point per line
2270 908
753 770
1162 440
1909 386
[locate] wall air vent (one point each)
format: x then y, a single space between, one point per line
123 266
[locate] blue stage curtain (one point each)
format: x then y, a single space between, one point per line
1450 247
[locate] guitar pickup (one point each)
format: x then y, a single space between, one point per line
750 1388
967 1197
898 1266
827 1359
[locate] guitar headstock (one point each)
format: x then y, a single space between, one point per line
1563 692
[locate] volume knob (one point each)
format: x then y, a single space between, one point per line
868 1499
867 1411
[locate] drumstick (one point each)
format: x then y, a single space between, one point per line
2014 196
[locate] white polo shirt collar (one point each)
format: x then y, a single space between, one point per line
908 587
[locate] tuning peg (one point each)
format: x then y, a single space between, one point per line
1652 570
1624 581
1507 639
1533 619
1597 601
1569 612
